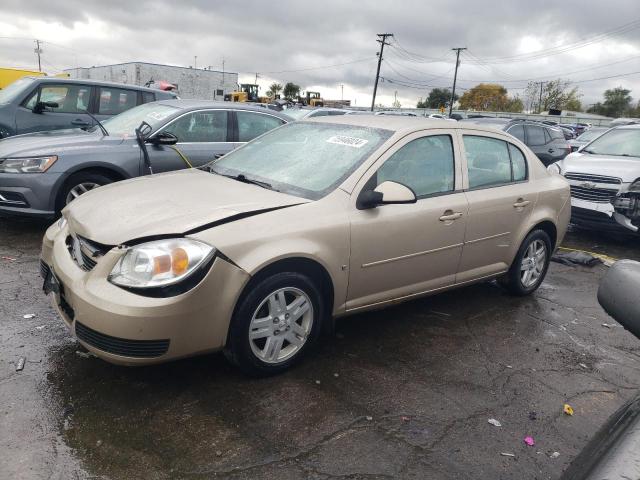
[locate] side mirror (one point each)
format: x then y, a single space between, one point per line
618 294
40 106
163 138
386 193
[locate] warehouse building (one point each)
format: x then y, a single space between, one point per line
190 82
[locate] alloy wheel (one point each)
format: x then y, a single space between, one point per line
533 263
79 189
281 325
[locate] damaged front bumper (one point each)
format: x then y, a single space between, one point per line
627 210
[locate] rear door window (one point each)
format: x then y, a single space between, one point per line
198 127
535 135
70 98
113 101
517 131
518 164
488 161
148 97
252 125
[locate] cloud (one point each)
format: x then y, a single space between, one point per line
255 36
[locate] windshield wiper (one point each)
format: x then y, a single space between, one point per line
586 151
98 123
244 179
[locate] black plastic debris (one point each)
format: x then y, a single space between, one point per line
575 258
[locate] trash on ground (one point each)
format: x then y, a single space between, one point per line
583 365
608 325
336 375
41 327
529 441
533 416
575 258
405 419
369 418
9 259
28 316
507 454
567 409
555 455
494 422
509 366
317 382
20 364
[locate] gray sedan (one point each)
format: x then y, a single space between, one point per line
41 172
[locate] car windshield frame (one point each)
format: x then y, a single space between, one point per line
14 89
590 135
274 140
155 114
607 137
297 113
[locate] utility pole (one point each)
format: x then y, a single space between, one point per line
382 40
38 51
195 62
342 92
223 73
257 75
455 77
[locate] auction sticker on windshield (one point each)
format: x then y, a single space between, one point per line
348 141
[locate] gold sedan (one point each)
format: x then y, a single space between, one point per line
259 251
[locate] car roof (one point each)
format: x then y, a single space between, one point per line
187 104
81 81
398 123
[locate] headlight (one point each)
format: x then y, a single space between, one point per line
27 165
160 263
554 168
635 187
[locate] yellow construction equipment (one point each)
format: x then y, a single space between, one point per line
10 75
314 99
247 92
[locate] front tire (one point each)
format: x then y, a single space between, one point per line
275 324
530 265
78 184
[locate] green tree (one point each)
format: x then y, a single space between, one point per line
489 97
514 105
556 94
291 91
274 89
617 102
439 97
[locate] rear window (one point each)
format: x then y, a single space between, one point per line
556 134
116 100
535 135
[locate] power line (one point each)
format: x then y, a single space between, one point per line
321 67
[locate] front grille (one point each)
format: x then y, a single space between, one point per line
44 269
121 346
599 195
587 177
85 252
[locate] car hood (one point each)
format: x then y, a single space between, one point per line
174 203
54 142
628 169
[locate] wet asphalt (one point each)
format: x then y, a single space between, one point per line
404 392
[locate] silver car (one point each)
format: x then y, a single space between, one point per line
40 173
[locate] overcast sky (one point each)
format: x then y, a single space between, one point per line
508 41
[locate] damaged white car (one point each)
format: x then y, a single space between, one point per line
605 180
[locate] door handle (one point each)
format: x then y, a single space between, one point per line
79 122
521 203
218 155
450 215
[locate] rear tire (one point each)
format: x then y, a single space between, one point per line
276 322
76 184
530 266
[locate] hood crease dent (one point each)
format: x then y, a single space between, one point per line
166 205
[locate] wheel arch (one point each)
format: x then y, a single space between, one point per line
298 264
111 171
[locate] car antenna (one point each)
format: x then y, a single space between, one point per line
141 136
104 130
